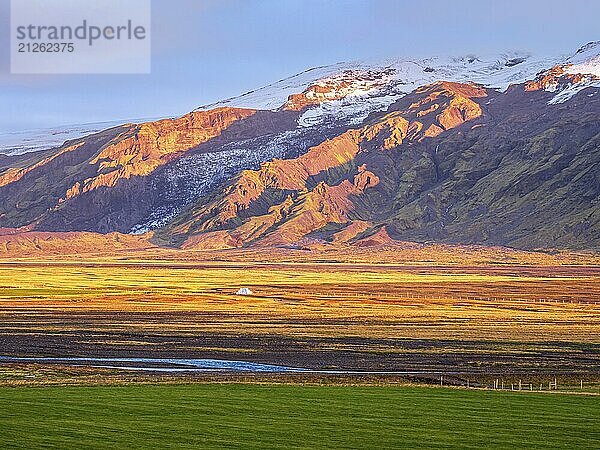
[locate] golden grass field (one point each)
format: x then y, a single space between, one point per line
532 302
381 309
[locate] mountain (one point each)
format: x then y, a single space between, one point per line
449 162
500 151
304 194
18 243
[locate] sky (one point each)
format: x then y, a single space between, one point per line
207 50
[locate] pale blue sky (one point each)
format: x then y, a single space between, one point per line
206 50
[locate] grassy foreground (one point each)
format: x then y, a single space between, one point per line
280 416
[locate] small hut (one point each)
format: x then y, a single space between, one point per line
244 291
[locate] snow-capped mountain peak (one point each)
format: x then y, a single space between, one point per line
577 72
364 78
353 90
586 60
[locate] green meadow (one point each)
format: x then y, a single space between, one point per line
286 416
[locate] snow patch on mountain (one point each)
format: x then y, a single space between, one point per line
354 83
272 96
351 91
20 142
26 141
400 77
363 79
586 61
570 91
351 110
588 51
590 66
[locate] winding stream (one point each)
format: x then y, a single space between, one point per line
174 365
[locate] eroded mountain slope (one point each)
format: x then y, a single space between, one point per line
450 162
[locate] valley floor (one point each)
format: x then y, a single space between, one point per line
96 350
484 317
